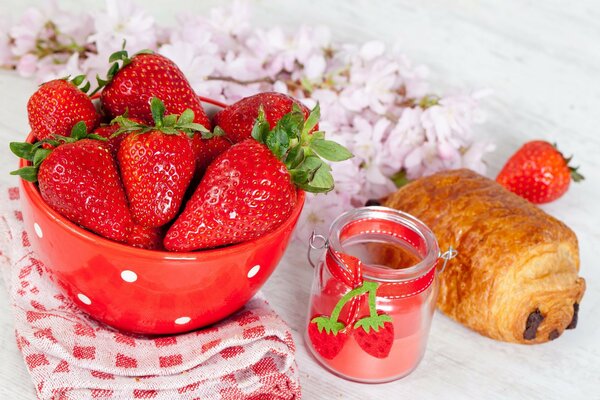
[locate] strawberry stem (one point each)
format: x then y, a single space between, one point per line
362 289
35 153
171 124
374 321
302 152
372 302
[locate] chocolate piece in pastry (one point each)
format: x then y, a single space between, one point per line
516 274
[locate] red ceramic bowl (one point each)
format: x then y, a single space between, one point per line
145 291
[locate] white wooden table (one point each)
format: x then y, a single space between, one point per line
542 59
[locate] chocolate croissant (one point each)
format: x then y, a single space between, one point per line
515 277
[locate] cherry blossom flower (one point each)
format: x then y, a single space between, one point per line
374 100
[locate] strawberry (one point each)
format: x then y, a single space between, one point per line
250 189
57 105
538 172
206 150
375 334
108 131
327 339
78 178
144 237
237 120
157 164
130 86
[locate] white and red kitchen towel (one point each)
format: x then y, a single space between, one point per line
71 356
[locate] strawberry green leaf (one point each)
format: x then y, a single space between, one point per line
27 173
399 178
79 131
278 141
97 137
373 322
312 120
193 126
22 150
112 71
78 80
261 127
324 323
313 189
144 51
118 56
322 178
330 150
299 176
86 87
186 117
318 135
40 155
101 83
575 175
295 157
170 120
169 130
218 131
157 107
291 123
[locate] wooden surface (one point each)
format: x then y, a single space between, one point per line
542 61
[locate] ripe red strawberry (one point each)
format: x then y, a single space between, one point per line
327 338
237 120
57 106
245 193
157 164
130 87
375 334
250 189
206 150
145 237
106 131
140 78
538 172
79 179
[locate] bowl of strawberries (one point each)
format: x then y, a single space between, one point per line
153 215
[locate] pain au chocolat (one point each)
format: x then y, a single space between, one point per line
515 277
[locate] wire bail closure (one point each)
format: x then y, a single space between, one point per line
316 242
447 256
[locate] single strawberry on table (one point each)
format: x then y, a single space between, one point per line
58 105
250 189
157 163
78 178
538 172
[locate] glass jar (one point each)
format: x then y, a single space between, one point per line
373 294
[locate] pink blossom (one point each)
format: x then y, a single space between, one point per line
373 99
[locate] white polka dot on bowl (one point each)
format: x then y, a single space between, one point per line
182 320
253 271
84 299
128 276
38 230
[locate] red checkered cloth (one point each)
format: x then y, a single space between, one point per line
71 356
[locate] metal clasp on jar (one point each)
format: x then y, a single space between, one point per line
447 256
316 242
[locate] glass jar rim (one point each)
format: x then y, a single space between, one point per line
393 215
